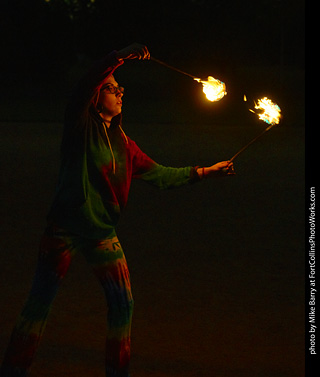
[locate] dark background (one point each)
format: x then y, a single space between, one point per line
255 47
217 268
49 35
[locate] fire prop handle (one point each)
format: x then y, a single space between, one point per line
170 67
251 142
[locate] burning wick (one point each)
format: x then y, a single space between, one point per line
269 112
214 89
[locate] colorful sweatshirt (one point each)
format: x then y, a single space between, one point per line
98 164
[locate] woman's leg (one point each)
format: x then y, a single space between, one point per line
109 265
54 259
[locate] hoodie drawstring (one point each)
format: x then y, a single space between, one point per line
125 136
113 159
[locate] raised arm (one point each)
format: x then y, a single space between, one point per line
87 88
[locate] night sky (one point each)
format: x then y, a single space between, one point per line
41 36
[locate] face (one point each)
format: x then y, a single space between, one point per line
110 99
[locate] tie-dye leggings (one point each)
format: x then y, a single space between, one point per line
109 265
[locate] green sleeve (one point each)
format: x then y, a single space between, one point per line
165 177
143 167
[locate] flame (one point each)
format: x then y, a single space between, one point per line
269 112
214 89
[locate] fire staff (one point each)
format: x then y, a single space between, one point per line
98 162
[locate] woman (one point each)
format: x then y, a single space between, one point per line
97 165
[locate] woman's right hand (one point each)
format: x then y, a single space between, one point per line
134 51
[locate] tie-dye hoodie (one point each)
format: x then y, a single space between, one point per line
98 164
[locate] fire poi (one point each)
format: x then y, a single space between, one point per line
267 111
214 89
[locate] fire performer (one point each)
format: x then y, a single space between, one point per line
97 165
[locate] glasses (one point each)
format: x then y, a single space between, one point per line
110 88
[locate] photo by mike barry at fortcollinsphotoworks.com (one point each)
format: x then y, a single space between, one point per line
311 289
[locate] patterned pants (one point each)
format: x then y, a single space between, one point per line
109 265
